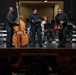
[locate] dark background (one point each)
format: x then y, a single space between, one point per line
69 8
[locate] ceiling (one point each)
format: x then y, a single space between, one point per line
41 0
23 3
30 4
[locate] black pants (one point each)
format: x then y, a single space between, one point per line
61 39
9 36
37 29
62 35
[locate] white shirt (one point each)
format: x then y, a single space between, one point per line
42 25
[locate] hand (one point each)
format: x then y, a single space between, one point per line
17 23
33 21
74 26
61 22
68 23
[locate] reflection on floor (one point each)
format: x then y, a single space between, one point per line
46 45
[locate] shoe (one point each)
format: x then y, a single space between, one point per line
45 42
12 46
63 46
59 46
8 46
41 46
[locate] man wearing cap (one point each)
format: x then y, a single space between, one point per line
61 18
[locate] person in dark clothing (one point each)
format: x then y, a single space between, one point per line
10 22
36 27
62 19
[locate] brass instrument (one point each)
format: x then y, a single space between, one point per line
60 26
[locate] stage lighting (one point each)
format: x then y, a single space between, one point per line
45 1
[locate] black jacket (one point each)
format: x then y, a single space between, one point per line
35 17
10 20
61 17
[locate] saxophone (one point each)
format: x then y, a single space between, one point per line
60 26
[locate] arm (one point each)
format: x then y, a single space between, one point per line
30 18
39 20
42 24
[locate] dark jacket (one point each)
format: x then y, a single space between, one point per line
61 17
10 20
35 17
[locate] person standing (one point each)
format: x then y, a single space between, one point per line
36 27
62 19
10 22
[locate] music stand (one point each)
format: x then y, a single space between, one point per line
70 27
48 26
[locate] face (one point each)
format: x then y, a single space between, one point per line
45 18
59 11
11 9
35 11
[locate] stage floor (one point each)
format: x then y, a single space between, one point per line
46 45
48 50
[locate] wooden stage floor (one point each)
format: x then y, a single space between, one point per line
61 54
46 50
